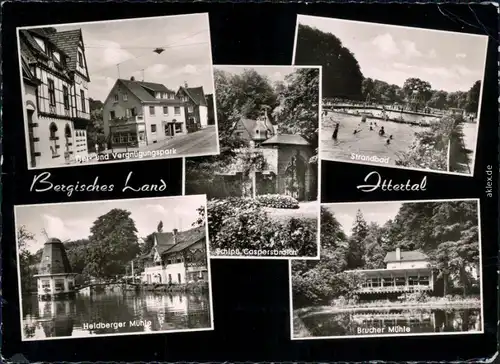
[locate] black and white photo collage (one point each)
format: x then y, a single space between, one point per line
162 173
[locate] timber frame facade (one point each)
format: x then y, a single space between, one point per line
55 80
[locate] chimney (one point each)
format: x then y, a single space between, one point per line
132 78
398 254
174 232
185 84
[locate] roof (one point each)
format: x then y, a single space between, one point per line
144 91
54 258
68 42
27 74
252 126
165 241
412 255
196 94
291 139
187 238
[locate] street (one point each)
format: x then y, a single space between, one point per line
201 142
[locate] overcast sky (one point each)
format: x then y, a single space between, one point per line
449 61
72 221
130 43
378 212
273 73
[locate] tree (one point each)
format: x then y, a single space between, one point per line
240 96
299 109
472 98
374 254
27 262
113 243
316 282
417 92
95 130
342 75
356 242
438 100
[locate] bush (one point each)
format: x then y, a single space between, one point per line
278 201
241 223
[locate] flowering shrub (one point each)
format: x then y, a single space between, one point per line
240 223
430 147
278 201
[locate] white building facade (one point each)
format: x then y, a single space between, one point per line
138 113
55 82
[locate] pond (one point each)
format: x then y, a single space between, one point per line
366 142
388 322
124 312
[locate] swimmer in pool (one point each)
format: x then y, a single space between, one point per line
335 132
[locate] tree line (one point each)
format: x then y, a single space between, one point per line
447 232
342 77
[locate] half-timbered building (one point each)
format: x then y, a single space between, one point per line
55 81
177 257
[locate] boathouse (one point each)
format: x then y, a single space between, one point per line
405 272
55 278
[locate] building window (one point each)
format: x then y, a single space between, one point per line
57 56
133 111
45 284
179 260
125 97
153 128
66 97
179 277
82 97
169 278
151 110
53 138
112 114
117 98
59 285
165 110
80 59
127 113
190 108
40 43
177 110
52 92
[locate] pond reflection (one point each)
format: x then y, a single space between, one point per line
387 322
115 313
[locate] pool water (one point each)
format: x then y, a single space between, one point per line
365 142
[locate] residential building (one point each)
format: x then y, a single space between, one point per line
177 257
55 80
196 107
138 113
406 271
55 278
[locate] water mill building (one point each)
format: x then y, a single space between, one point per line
55 278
